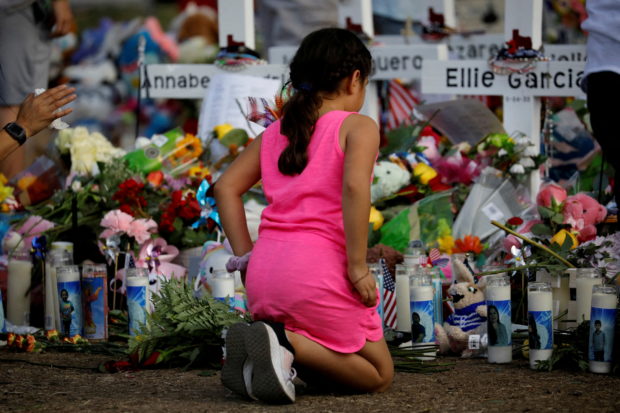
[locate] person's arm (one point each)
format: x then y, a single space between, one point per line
35 113
240 176
63 18
361 147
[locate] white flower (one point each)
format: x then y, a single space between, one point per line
530 151
76 186
517 169
527 162
502 152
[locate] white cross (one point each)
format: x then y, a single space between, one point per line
521 92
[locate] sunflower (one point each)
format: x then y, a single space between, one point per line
189 147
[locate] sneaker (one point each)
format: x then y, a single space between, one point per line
272 378
237 369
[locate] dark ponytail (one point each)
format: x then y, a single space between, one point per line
323 59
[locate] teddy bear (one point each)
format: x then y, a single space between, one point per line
470 312
388 178
582 213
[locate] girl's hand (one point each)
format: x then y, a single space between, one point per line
365 285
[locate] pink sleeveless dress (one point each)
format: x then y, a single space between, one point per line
297 273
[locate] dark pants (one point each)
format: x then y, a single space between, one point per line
604 87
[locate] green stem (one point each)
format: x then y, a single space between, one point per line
534 243
500 271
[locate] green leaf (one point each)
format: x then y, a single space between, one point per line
545 212
558 218
541 230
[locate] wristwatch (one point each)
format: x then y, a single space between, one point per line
16 132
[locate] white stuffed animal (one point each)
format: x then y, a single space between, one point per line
388 179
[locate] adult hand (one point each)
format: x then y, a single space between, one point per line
63 16
364 283
37 112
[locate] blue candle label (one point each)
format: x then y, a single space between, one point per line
540 330
601 342
70 307
499 323
136 306
95 308
422 330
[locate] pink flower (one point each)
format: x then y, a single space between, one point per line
116 221
33 227
549 192
431 151
511 241
141 229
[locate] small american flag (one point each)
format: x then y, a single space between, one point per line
389 296
401 102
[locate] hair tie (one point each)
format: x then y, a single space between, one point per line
304 86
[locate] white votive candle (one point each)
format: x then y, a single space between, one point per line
69 299
586 279
223 286
602 326
540 318
499 318
137 298
18 283
55 258
403 316
422 312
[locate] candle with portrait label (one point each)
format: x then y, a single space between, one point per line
422 308
586 279
602 328
62 251
69 299
540 317
499 318
18 284
95 298
403 316
138 298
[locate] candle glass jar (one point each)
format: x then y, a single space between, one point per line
224 287
95 298
540 318
69 300
55 258
18 286
602 328
403 314
586 279
499 318
138 298
422 311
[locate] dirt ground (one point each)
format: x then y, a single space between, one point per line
66 381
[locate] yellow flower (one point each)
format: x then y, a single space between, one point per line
424 172
445 244
198 171
376 218
3 179
222 129
560 238
5 191
26 181
187 148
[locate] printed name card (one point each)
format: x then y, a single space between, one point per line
190 81
477 78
